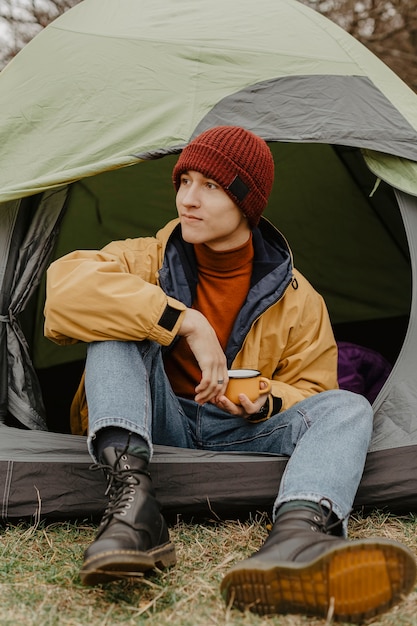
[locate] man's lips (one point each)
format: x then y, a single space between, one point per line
190 218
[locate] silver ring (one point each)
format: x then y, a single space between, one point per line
220 382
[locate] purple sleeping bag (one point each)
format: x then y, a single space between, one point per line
361 369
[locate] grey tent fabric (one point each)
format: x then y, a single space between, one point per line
191 483
282 109
8 226
30 252
395 408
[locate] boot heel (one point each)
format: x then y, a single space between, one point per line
165 556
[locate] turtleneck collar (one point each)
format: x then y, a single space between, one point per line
224 260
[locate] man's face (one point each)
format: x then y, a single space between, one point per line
208 215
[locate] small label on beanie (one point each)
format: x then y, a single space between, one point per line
238 188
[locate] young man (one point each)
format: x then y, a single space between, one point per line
165 317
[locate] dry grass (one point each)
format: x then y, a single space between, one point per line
39 582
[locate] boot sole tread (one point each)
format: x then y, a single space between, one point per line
353 582
115 564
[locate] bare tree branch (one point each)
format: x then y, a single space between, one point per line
21 20
387 27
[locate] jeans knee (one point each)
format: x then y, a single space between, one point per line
358 402
357 410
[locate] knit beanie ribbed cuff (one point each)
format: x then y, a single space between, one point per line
238 160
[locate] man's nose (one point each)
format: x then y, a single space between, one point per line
191 196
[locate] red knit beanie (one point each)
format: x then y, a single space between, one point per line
238 160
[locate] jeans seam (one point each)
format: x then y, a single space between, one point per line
240 442
304 415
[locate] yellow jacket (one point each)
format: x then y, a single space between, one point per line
137 289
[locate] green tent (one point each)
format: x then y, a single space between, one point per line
94 112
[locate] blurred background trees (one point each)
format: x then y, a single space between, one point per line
21 20
387 27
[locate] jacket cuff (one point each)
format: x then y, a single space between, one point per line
169 318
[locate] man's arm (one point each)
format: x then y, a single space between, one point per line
93 296
293 345
308 360
208 352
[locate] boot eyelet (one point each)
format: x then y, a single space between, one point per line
313 528
126 467
127 506
316 518
123 513
124 457
130 499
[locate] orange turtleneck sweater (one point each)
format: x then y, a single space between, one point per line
223 284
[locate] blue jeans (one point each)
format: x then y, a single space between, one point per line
326 436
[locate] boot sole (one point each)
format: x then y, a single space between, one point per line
117 564
348 583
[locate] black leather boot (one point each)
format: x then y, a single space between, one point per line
132 537
301 568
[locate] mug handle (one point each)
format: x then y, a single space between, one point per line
268 388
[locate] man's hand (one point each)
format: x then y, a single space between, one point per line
208 352
245 408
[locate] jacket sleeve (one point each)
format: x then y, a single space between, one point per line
308 362
292 344
110 294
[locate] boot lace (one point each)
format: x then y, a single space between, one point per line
121 488
327 521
